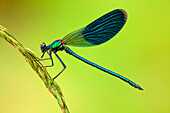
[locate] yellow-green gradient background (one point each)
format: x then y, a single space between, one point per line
140 51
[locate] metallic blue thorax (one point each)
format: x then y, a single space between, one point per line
56 45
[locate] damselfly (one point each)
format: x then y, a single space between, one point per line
96 33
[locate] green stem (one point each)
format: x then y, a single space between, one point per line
33 60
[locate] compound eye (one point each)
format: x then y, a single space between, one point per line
43 47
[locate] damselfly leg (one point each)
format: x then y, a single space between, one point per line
49 53
62 69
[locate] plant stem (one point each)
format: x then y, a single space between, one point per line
33 60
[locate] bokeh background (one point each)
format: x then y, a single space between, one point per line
140 51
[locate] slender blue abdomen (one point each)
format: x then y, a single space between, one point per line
102 68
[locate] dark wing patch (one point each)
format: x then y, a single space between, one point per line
105 27
99 31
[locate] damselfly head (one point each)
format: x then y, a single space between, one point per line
43 47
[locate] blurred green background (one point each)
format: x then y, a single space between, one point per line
140 51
